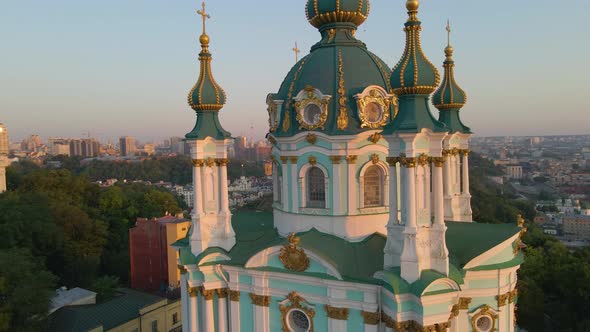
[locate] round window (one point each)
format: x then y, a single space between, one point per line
484 324
312 114
298 321
373 112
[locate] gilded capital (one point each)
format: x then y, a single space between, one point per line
194 291
423 159
222 162
335 159
408 162
260 300
208 294
284 159
389 322
502 298
455 151
464 303
210 162
182 269
512 295
370 318
221 293
198 162
438 161
465 152
234 295
392 161
351 159
336 313
293 160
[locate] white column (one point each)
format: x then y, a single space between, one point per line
223 188
2 178
337 319
336 325
370 328
285 199
193 310
465 172
457 174
437 188
198 191
294 185
447 178
208 312
275 182
261 318
222 317
234 307
410 201
184 301
393 208
337 192
352 185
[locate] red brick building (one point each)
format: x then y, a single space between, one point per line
153 261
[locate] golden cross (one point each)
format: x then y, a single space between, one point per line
448 32
203 14
297 51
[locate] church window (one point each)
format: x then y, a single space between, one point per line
373 187
298 321
316 190
484 324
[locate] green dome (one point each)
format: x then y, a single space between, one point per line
206 95
339 66
449 95
414 74
321 12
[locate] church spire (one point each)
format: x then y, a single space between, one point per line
206 97
413 79
449 98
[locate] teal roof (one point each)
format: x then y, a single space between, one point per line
356 261
450 98
109 315
467 240
337 59
322 12
207 125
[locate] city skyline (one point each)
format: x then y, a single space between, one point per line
117 69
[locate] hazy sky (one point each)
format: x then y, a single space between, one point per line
124 67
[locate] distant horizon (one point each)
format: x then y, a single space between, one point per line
115 67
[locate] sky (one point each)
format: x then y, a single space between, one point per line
69 68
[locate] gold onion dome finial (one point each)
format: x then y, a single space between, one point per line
323 12
449 94
206 95
414 73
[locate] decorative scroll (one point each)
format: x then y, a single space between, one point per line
293 258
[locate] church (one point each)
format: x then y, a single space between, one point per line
371 228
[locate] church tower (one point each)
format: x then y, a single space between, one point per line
416 241
209 142
330 170
449 99
3 156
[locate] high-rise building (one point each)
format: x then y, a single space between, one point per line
371 228
4 144
127 146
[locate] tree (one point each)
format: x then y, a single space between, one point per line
105 287
25 290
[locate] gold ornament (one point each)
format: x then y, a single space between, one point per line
272 116
208 294
296 302
312 97
335 159
342 121
234 295
438 161
373 97
221 293
464 303
376 137
375 158
198 162
423 159
293 258
311 138
210 162
370 318
351 159
484 310
312 160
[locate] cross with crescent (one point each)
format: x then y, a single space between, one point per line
203 14
297 51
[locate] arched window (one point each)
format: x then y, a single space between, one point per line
373 186
316 189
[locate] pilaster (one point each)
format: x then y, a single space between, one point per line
222 317
234 305
261 312
337 318
208 312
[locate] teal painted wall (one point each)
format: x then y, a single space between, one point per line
275 314
246 313
245 279
320 320
355 295
216 312
301 289
483 283
441 308
355 321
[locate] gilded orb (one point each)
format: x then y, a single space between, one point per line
412 5
204 39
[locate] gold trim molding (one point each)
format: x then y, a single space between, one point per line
208 294
296 302
194 291
377 95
